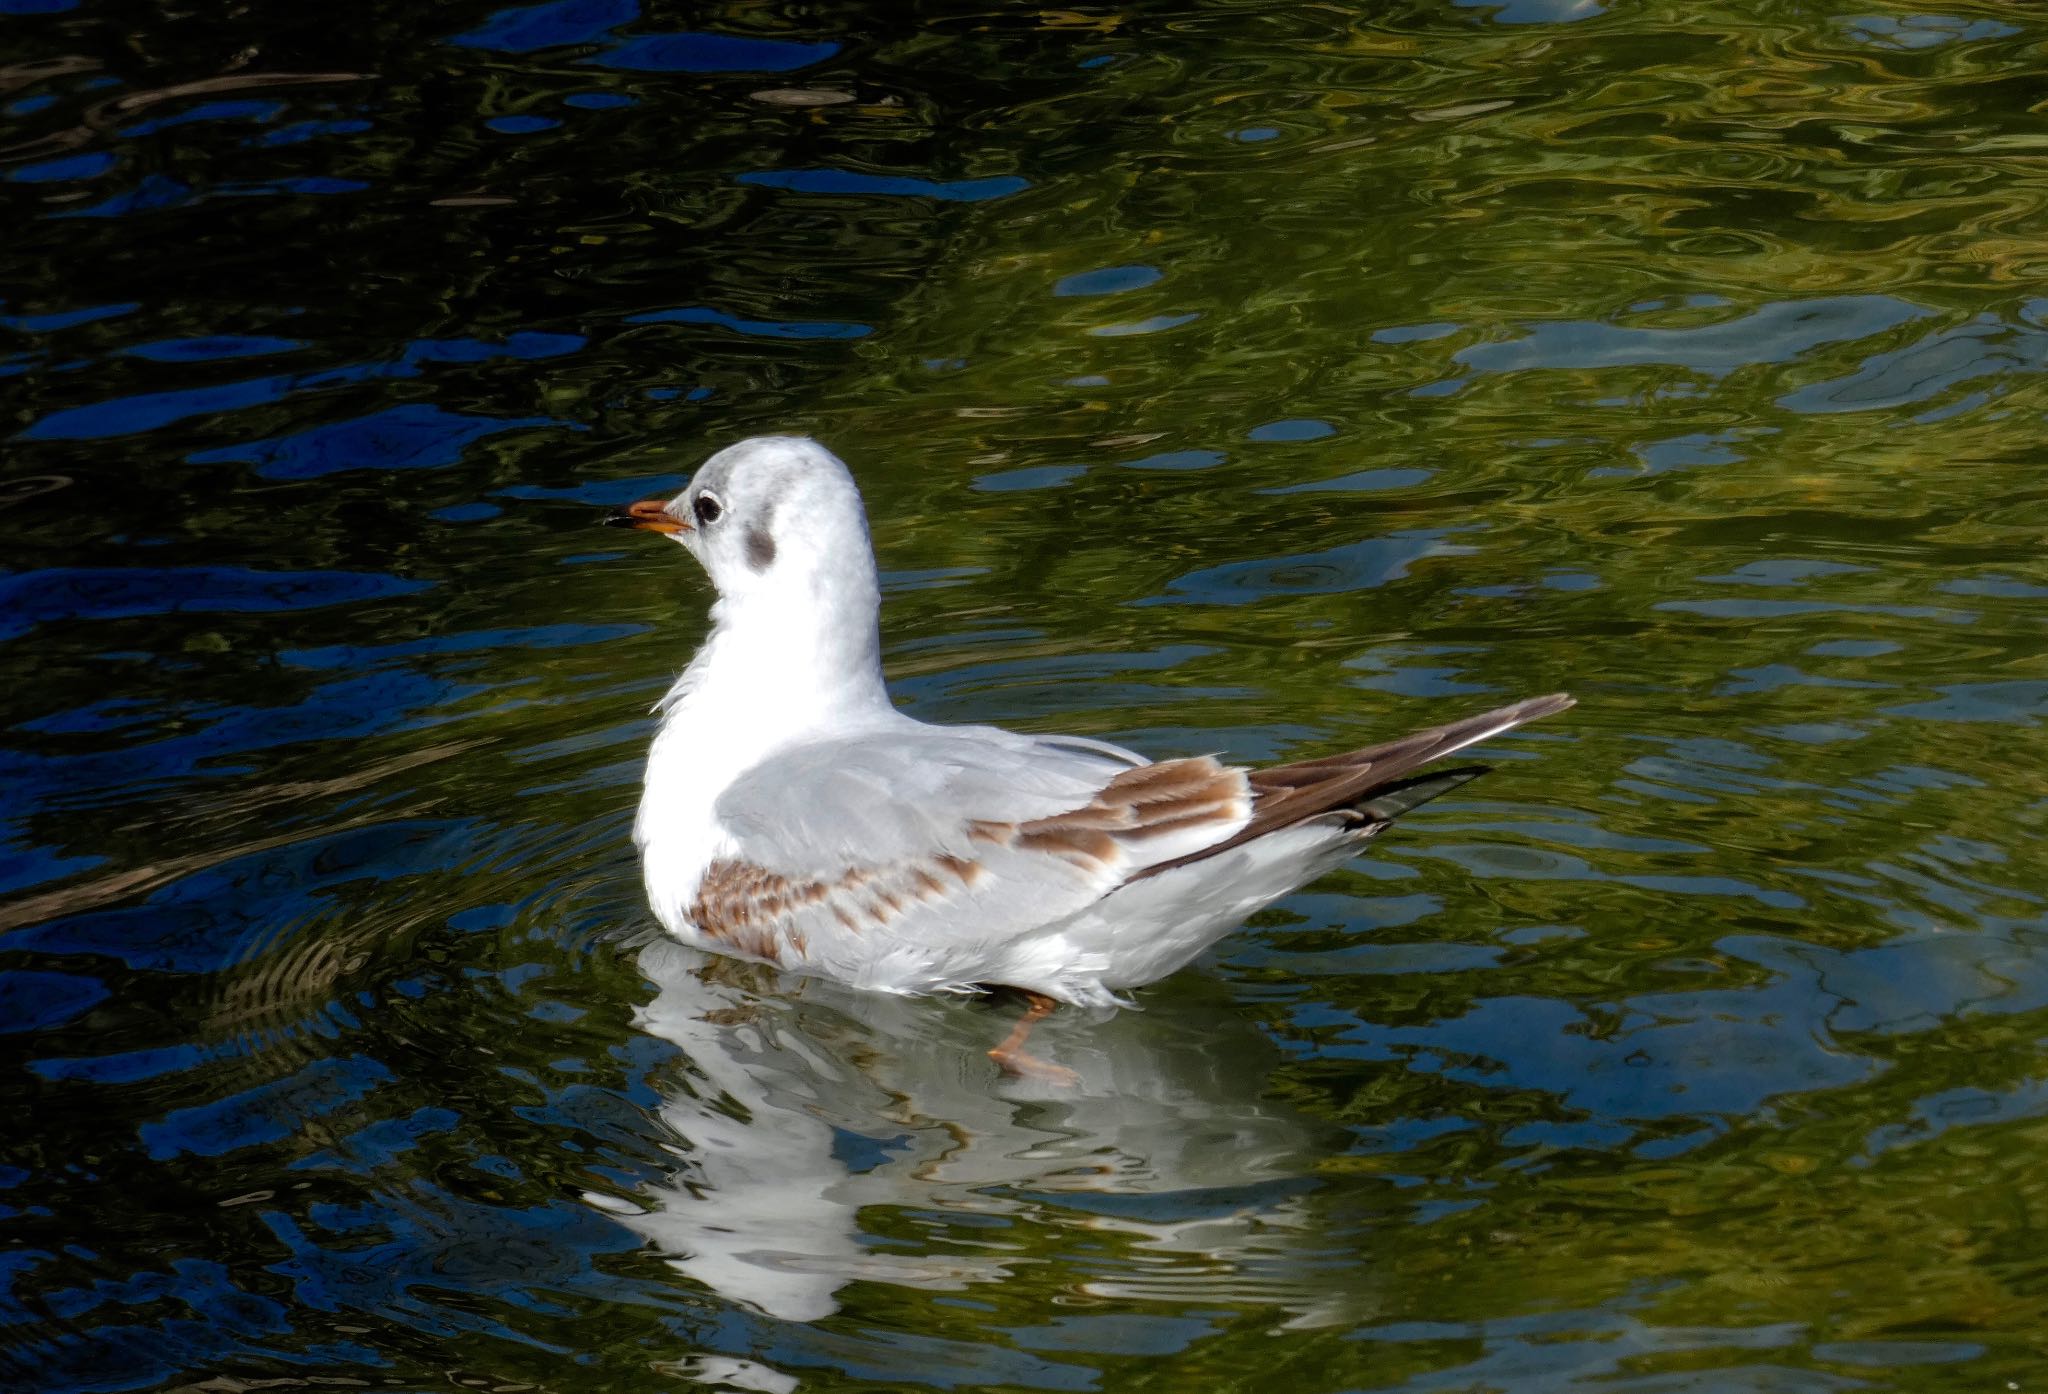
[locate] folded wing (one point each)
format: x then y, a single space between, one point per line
915 858
926 858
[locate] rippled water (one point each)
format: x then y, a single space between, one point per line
1245 377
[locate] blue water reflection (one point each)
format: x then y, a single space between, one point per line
531 28
415 436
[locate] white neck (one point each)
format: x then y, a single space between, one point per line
780 663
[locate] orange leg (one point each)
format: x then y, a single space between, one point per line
1015 1060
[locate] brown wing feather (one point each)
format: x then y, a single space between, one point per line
1286 795
1145 802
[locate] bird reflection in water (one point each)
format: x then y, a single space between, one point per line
798 1114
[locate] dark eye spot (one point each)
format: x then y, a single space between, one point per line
708 509
760 549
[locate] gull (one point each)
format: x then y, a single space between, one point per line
792 815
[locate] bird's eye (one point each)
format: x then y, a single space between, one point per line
708 509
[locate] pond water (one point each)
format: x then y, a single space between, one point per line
1236 376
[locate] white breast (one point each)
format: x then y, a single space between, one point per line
754 688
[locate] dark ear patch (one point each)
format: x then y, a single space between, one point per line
760 549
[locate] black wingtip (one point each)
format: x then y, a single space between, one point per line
1390 803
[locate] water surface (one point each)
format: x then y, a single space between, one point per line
1237 377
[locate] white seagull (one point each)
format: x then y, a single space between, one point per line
792 815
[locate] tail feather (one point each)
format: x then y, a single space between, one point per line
1375 784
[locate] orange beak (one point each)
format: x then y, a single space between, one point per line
648 515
